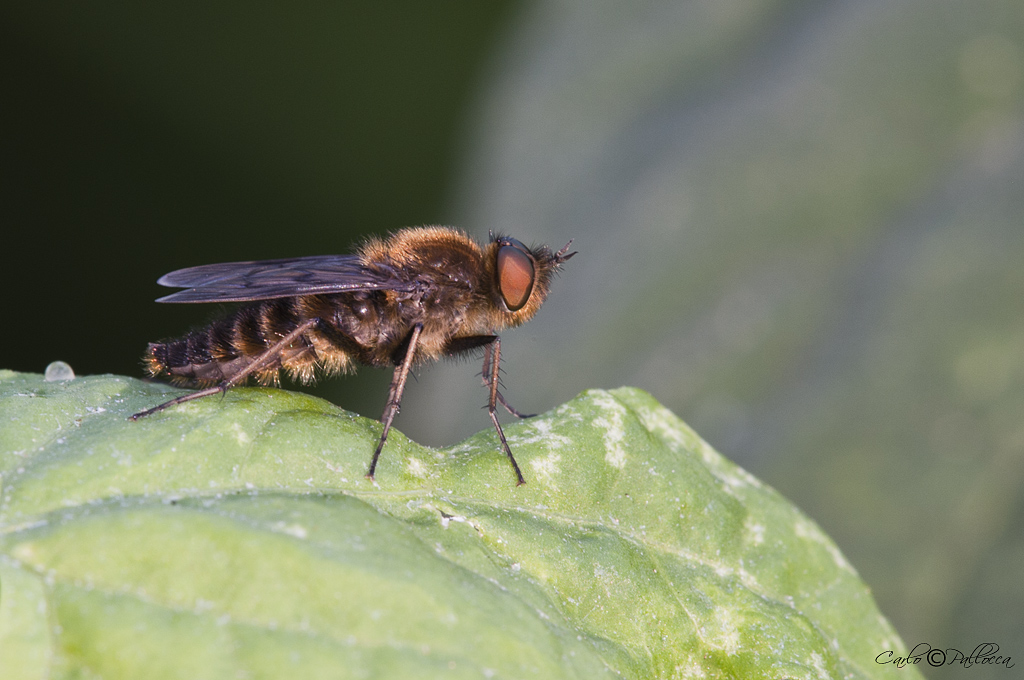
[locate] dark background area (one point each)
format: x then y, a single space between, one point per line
138 139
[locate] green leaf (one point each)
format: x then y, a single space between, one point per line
237 537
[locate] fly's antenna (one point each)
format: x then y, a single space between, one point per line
561 256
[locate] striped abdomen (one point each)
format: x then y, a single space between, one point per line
226 347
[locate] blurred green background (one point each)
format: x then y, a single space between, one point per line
800 225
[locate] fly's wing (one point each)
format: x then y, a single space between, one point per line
266 279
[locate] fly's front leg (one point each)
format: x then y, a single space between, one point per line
395 395
492 362
489 373
489 380
264 360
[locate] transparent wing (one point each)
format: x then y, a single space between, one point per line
262 280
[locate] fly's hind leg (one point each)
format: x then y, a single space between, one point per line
223 387
264 360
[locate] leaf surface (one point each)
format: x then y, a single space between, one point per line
238 537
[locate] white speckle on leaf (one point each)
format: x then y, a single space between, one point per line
818 662
710 457
749 581
608 578
691 670
666 425
296 530
723 633
677 434
805 529
241 436
568 411
808 530
754 531
547 467
417 468
840 560
613 424
734 477
539 431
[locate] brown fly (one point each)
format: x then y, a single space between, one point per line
422 294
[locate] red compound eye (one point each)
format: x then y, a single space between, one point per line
515 275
